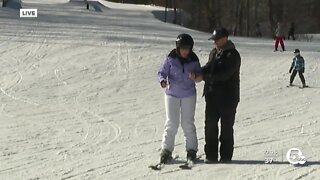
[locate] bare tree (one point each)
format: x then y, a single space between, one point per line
271 21
165 11
248 17
218 12
211 18
175 11
4 3
239 15
256 4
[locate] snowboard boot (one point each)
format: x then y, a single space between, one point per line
165 156
192 155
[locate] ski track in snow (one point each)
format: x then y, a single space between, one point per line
79 98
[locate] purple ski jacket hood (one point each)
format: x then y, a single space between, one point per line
176 71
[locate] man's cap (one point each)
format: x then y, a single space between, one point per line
296 51
219 33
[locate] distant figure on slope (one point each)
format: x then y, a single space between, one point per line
176 75
279 37
292 31
258 30
298 67
87 3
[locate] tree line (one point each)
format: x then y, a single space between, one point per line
243 17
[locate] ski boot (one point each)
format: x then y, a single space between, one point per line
191 160
165 156
192 155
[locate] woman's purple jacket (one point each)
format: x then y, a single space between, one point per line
176 71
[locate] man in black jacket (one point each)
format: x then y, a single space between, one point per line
221 91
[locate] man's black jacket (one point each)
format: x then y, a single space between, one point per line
221 75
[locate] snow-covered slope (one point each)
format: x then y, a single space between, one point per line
79 98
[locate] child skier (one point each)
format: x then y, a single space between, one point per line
298 67
175 75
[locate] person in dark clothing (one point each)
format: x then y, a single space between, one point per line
258 30
292 31
221 91
298 67
87 3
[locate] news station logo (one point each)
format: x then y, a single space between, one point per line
28 13
295 156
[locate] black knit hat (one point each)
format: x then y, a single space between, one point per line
296 51
184 41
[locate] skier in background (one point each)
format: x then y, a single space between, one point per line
292 31
279 37
258 30
87 3
175 75
298 67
